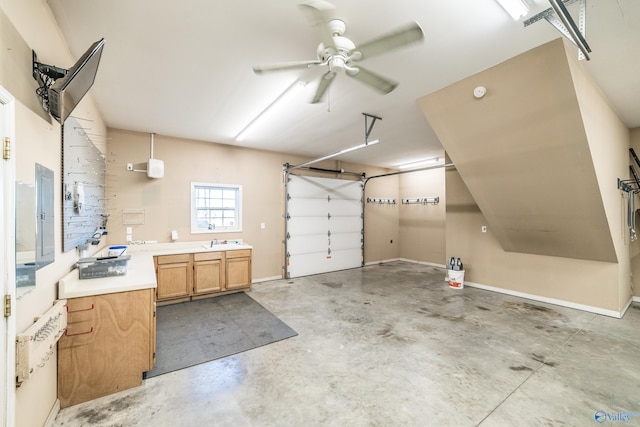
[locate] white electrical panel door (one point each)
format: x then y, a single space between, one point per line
324 225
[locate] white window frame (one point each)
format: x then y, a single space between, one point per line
238 217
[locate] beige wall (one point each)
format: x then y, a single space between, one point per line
542 151
588 283
422 227
166 201
381 231
609 142
27 25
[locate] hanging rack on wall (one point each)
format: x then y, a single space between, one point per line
422 201
381 201
631 187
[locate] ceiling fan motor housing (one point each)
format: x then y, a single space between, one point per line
342 44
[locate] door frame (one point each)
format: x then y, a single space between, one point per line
8 263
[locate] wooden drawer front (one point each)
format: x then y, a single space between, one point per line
173 259
240 253
207 256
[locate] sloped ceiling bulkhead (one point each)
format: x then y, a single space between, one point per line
523 152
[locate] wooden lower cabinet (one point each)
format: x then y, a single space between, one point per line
174 272
202 274
108 344
208 272
238 269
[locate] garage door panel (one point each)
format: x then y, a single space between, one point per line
344 224
345 241
308 207
341 260
308 244
308 187
304 226
346 190
307 264
344 207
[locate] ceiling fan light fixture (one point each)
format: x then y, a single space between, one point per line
515 8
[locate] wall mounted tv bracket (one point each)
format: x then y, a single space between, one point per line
45 75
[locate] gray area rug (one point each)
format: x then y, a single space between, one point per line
195 332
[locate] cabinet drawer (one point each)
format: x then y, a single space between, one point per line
173 259
240 253
208 256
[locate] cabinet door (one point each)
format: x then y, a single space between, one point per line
208 276
174 276
107 345
238 267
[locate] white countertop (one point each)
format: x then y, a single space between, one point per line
140 269
140 275
184 248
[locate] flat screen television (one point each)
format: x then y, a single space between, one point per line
66 92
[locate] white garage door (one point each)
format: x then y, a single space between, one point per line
324 225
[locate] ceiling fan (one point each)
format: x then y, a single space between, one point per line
339 54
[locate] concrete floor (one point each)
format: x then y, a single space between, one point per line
393 345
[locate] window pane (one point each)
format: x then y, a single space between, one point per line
216 206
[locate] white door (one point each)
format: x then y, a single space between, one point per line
7 264
324 225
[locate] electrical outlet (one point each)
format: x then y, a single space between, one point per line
484 228
129 166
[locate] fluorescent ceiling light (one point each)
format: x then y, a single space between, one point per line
338 153
419 163
515 8
286 96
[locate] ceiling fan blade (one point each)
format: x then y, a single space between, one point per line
400 37
319 14
285 66
323 85
376 81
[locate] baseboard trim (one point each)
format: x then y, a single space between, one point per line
636 299
266 279
562 303
432 264
381 261
53 414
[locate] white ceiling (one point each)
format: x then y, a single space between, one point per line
184 68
